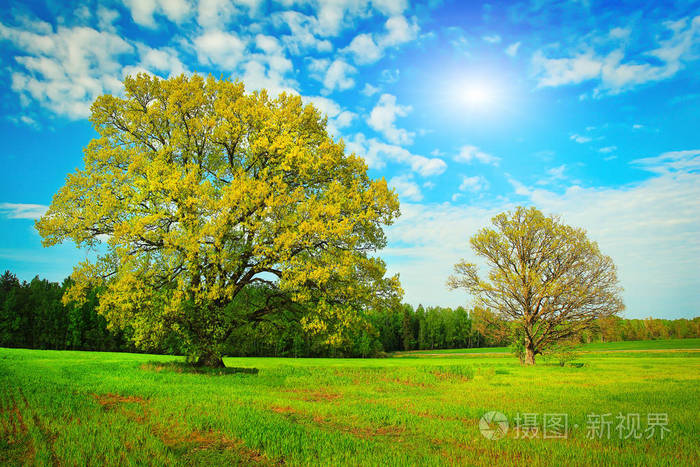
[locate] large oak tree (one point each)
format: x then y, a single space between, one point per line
210 207
546 278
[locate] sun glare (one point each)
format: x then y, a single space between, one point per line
478 95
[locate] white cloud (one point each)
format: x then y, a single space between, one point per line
334 75
398 31
337 76
580 139
671 162
156 61
369 90
327 106
613 71
557 173
22 211
390 7
512 49
220 49
337 117
259 61
559 71
553 177
376 153
383 116
303 30
492 38
142 11
367 48
468 153
474 184
608 149
345 118
24 120
217 14
358 145
65 70
364 49
406 187
106 18
268 72
333 16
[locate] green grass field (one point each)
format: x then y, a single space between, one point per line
88 408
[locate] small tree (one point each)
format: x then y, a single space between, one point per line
564 351
213 208
546 277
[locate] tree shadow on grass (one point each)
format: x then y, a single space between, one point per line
184 367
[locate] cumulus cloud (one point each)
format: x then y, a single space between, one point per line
473 184
399 31
613 70
219 49
64 70
337 117
377 153
368 48
469 153
406 187
304 32
164 62
382 118
143 11
492 38
364 49
333 74
369 90
217 14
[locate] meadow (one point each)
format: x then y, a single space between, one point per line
91 408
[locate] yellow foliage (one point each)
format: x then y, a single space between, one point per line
195 190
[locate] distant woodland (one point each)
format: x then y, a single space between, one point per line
32 315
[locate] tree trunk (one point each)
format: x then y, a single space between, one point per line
529 355
210 361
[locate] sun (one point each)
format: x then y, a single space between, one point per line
478 95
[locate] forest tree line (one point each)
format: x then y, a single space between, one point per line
32 315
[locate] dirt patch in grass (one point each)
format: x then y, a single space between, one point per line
183 441
407 382
433 416
110 401
324 423
16 445
311 395
449 376
188 443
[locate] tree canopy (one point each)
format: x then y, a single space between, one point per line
209 207
546 278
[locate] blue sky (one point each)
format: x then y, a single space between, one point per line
467 109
